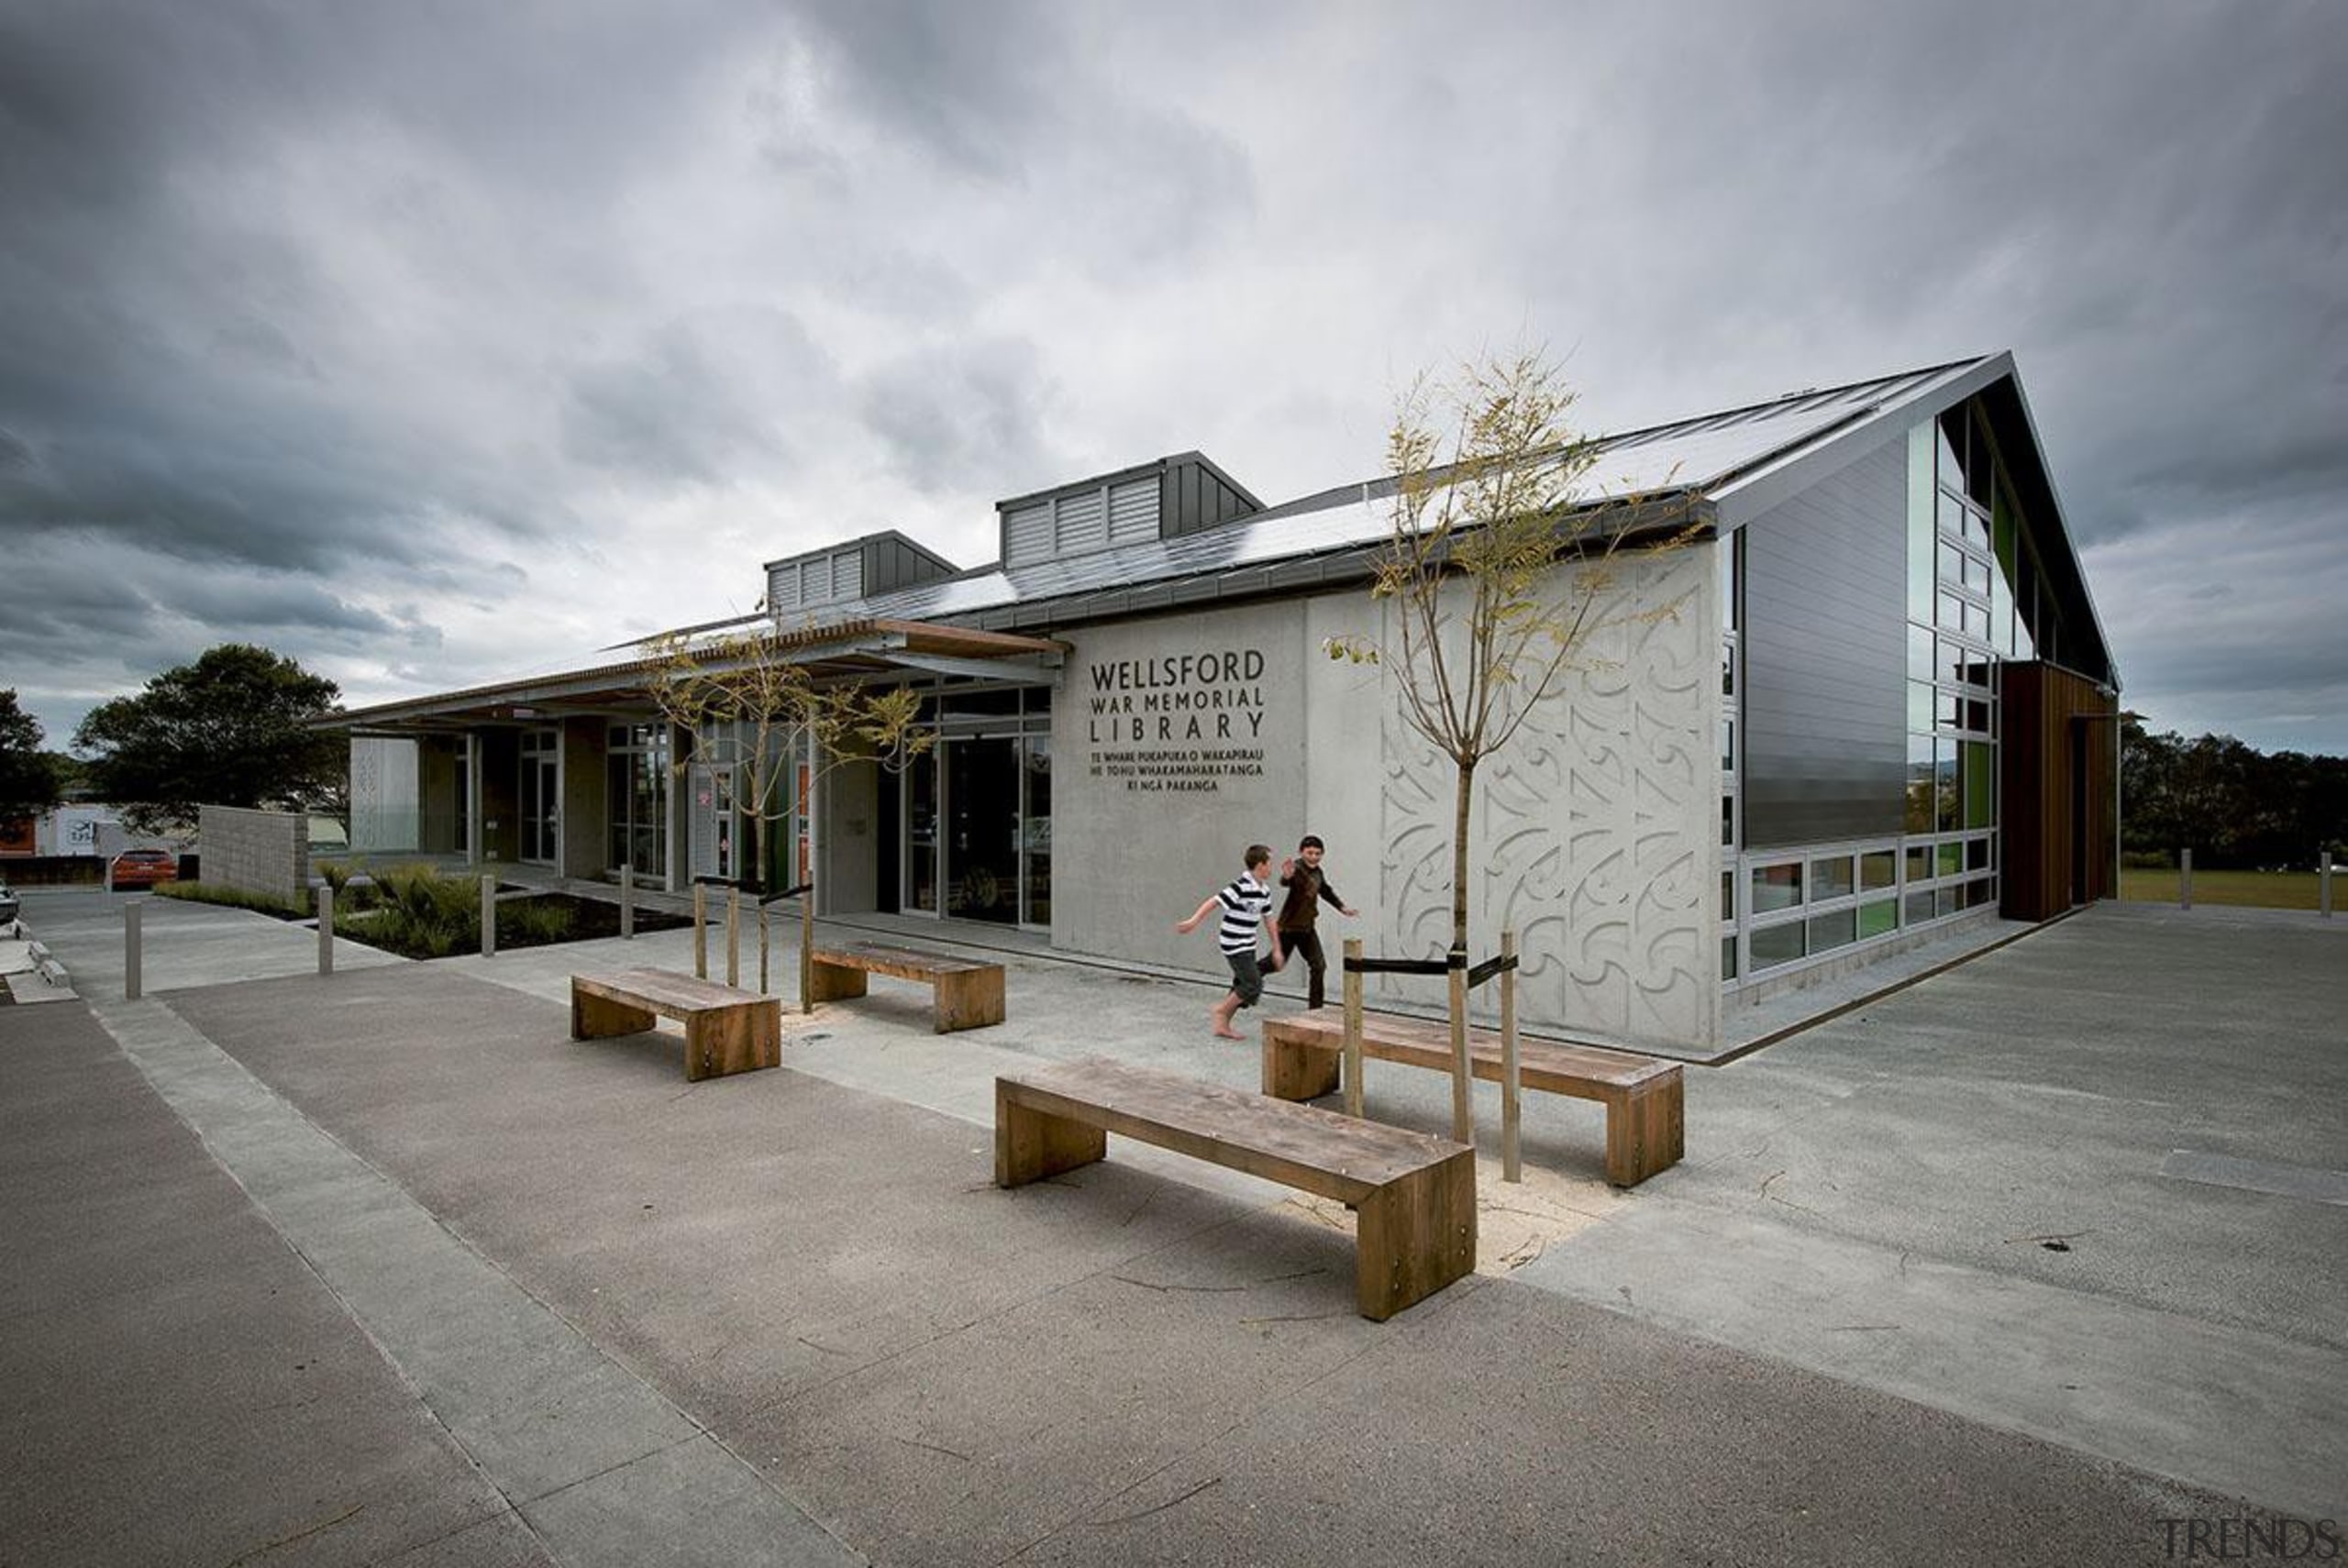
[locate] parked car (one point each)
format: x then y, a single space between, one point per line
145 867
10 906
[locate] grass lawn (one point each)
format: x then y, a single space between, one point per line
2263 890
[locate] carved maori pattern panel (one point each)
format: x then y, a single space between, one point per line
1594 829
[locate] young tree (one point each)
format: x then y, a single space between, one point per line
747 702
1498 570
232 729
30 783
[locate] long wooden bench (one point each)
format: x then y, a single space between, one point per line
1414 1195
1646 1126
726 1029
968 990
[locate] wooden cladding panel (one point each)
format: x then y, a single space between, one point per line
2057 826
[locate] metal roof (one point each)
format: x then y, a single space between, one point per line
1734 464
1321 538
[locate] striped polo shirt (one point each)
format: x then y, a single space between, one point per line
1246 902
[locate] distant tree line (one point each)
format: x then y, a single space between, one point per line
2232 805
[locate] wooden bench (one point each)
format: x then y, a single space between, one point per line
1414 1195
969 990
1646 1127
726 1029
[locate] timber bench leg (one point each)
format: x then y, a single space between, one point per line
1294 1070
1030 1144
1646 1130
600 1018
1415 1235
738 1039
835 982
971 999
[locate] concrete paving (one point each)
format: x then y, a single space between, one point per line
788 1313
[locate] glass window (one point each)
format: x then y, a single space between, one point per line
1944 901
1878 918
1953 563
1950 858
1035 827
1728 957
1977 626
1952 516
1951 463
1728 895
1919 907
1945 708
988 703
1728 669
1918 815
1977 892
1877 868
1952 660
1829 878
1977 854
1920 705
1921 505
1920 652
1775 944
1831 931
1728 819
1945 804
1920 863
1951 612
1775 888
1979 472
1979 763
1728 744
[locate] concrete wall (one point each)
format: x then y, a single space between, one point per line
261 852
1595 834
583 836
386 796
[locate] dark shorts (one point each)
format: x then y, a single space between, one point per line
1247 977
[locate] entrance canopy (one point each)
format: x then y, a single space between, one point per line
859 650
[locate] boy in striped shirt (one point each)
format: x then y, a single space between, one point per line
1246 904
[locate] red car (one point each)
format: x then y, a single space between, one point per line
145 867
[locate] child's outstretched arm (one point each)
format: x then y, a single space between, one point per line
1215 900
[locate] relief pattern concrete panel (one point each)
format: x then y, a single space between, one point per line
1595 833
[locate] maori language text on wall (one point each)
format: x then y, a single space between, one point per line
1179 723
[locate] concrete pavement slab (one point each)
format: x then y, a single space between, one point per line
536 1405
180 1387
1113 1365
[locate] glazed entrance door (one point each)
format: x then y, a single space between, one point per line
983 829
541 791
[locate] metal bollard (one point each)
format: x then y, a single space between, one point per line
2185 879
628 903
489 917
325 928
131 955
2325 900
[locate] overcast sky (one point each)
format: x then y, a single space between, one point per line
433 343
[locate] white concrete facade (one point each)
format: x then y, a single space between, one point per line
1595 834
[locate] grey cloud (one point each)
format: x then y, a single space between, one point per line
957 415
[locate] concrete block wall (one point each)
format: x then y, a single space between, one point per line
259 852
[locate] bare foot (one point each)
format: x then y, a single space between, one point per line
1223 1034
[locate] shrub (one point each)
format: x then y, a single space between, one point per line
528 920
234 898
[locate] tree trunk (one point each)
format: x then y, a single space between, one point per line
807 946
1463 1114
